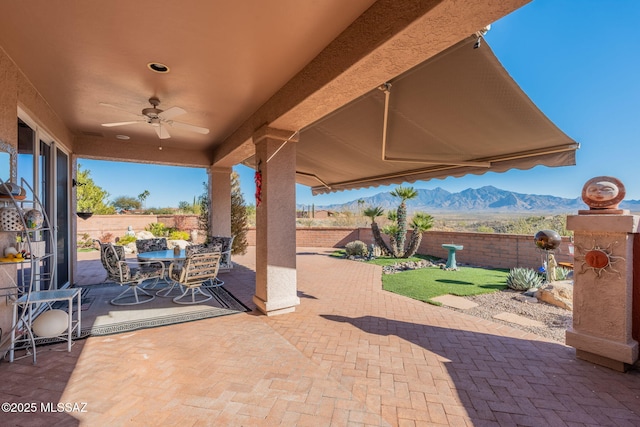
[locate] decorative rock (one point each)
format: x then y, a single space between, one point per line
558 293
406 265
527 299
144 235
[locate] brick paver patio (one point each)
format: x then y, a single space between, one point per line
351 355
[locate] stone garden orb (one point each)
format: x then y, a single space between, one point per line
547 240
603 192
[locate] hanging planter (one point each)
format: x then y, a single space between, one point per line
84 215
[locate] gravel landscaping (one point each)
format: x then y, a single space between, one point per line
555 319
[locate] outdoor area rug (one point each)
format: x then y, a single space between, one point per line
102 318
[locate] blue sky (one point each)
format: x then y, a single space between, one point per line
576 59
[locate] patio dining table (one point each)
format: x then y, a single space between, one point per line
165 256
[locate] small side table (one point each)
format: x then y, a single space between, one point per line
46 297
451 260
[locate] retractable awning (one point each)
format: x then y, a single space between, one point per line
458 113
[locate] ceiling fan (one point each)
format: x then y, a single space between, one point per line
159 119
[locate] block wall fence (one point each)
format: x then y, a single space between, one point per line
100 225
480 249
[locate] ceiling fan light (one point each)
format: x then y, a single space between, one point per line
158 67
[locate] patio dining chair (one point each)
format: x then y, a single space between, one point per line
151 245
129 273
190 274
226 245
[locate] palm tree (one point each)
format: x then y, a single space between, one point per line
421 223
373 213
391 230
404 194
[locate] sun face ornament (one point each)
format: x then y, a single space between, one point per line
598 259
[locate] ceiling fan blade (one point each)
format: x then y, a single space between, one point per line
109 125
162 131
186 126
171 113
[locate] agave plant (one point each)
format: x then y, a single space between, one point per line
421 222
562 273
373 213
404 194
522 279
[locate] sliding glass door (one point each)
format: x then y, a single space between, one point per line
45 166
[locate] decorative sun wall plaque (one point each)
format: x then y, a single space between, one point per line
598 259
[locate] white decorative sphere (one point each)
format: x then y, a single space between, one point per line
51 323
10 250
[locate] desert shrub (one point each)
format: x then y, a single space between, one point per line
84 241
126 240
106 238
158 229
178 235
356 248
521 279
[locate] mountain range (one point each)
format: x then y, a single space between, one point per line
485 199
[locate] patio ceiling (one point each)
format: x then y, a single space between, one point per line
290 64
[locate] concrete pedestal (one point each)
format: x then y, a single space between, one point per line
451 259
603 285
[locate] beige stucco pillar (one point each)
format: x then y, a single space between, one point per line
220 198
602 289
276 289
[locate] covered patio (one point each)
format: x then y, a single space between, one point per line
294 90
352 355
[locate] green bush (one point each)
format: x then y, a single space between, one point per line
522 279
179 235
356 248
158 229
123 241
85 241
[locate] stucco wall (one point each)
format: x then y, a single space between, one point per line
16 91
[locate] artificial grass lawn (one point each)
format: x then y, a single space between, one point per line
426 283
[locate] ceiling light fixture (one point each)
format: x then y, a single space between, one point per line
123 137
158 67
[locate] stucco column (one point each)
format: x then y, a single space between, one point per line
276 289
602 289
220 201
